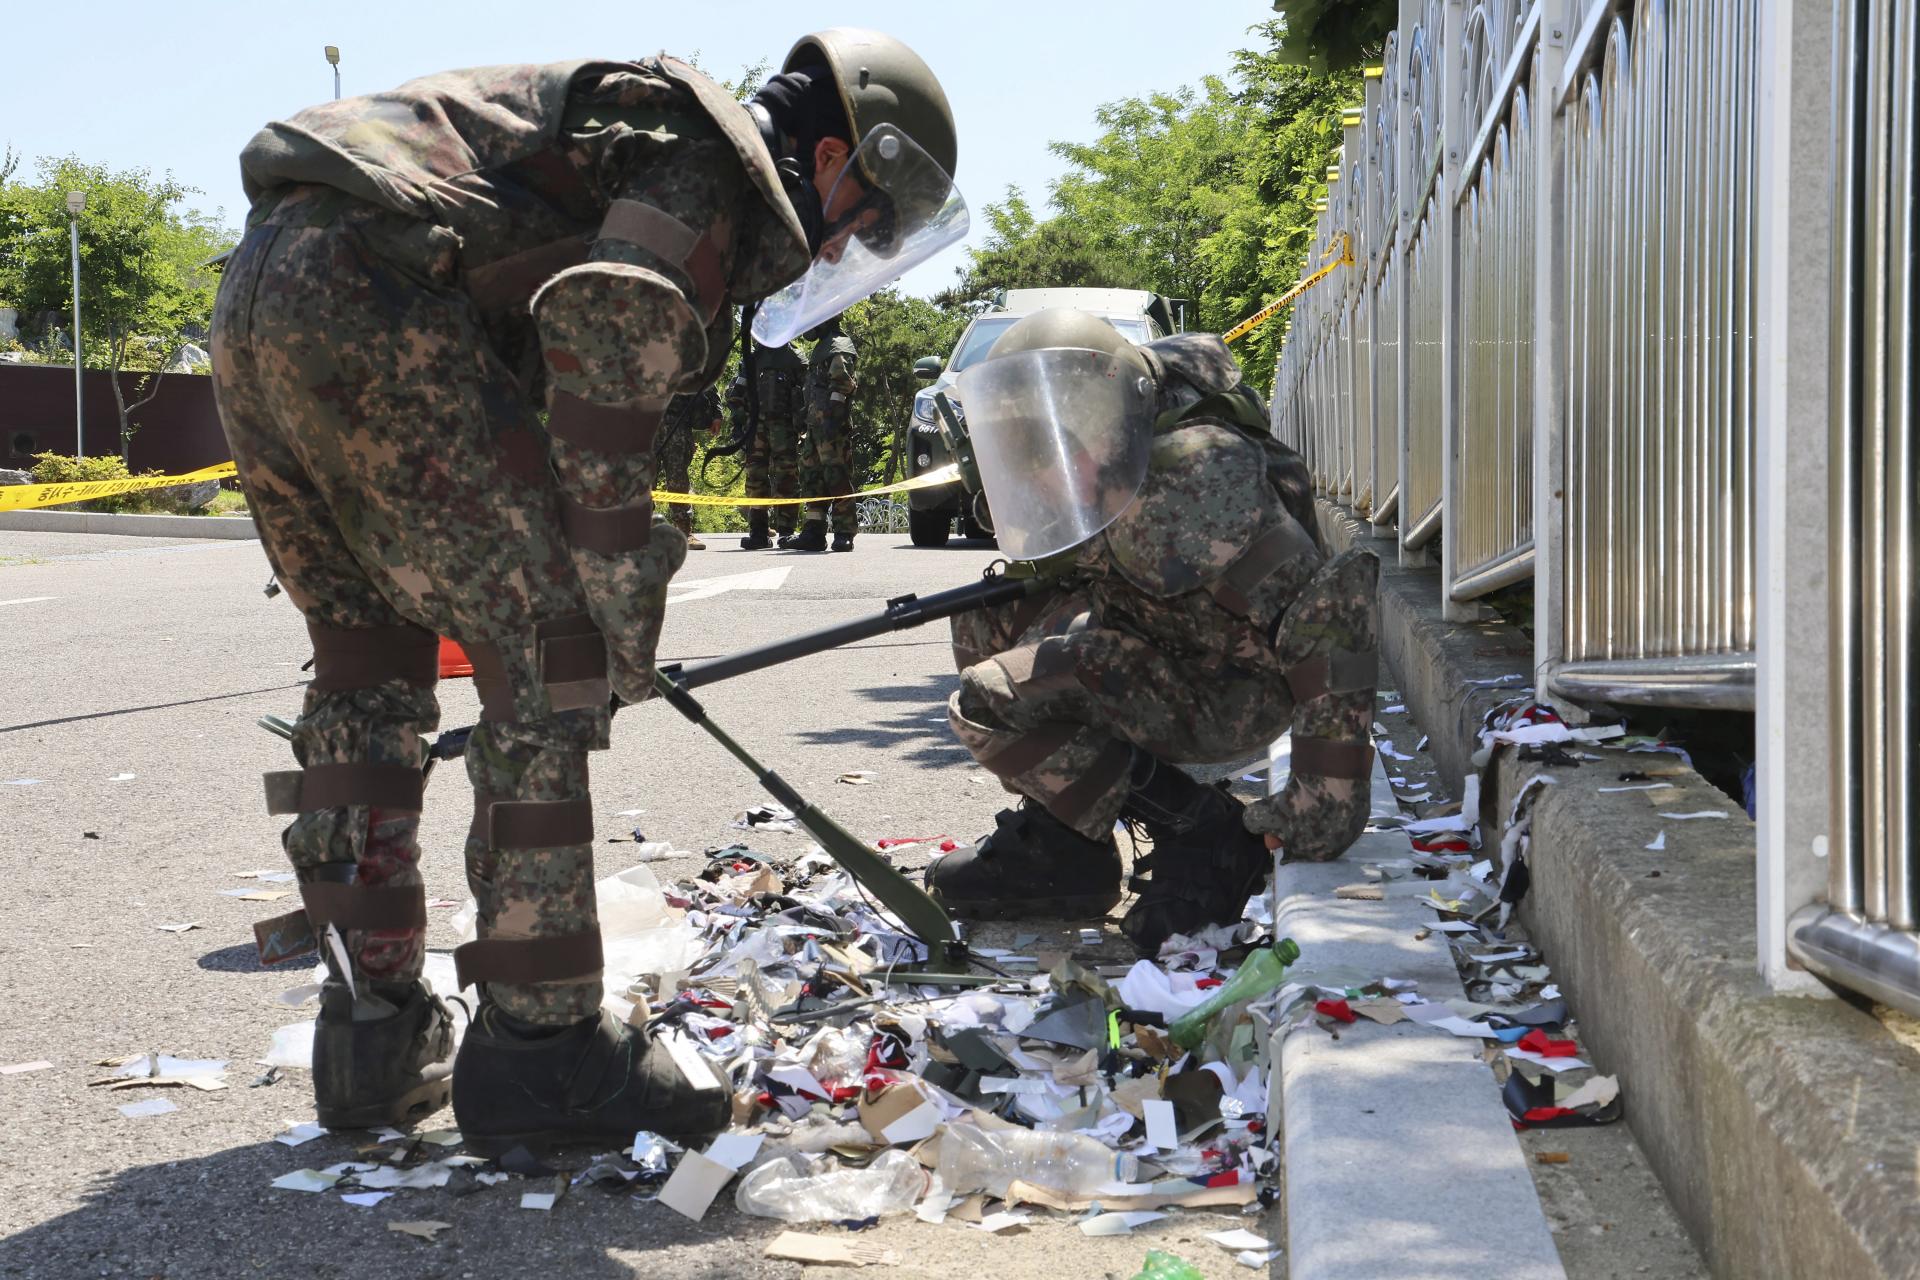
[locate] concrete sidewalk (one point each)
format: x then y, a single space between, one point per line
1740 1098
129 525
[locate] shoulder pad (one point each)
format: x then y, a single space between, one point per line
1199 360
841 345
1198 510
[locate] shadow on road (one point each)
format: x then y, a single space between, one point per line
918 734
217 1215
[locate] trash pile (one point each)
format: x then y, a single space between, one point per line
862 1089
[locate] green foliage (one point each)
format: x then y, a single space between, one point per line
891 330
1334 35
1204 193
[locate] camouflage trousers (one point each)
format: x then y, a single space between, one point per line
1052 702
826 470
676 461
773 469
399 479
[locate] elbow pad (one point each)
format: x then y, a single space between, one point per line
611 333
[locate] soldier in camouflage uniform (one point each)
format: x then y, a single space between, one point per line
687 414
773 451
826 455
424 270
1195 628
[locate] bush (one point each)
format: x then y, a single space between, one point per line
58 468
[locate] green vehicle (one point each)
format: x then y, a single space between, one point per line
932 512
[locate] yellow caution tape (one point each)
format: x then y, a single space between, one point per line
26 497
1267 312
945 475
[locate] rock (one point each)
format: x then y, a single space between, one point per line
191 359
8 476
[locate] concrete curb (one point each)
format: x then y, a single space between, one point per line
1400 1158
238 527
1784 1129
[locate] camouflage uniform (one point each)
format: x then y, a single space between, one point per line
826 456
688 415
424 269
773 458
1197 627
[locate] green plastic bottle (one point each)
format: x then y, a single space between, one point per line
1167 1266
1264 970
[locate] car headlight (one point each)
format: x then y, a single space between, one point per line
923 460
923 408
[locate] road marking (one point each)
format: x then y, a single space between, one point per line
707 588
27 600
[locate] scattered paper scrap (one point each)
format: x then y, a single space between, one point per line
1255 1258
305 1131
121 777
151 1107
1698 813
1162 1132
312 1180
178 928
365 1199
21 1068
1659 844
695 1182
1118 1224
857 777
1239 1238
420 1230
541 1200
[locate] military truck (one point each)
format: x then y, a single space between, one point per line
932 512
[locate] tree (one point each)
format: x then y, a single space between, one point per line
145 288
890 331
1334 35
1204 193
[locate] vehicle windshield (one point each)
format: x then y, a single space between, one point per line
987 330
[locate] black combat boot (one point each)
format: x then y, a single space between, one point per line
517 1084
843 542
757 538
1205 864
386 1066
812 537
1031 864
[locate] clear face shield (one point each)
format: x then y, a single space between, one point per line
1062 437
906 210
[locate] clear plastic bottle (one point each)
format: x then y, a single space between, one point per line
1166 1266
804 1188
975 1159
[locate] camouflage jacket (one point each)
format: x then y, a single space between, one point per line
691 412
830 382
536 168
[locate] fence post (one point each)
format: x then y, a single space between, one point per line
1558 19
1405 195
1794 185
1455 133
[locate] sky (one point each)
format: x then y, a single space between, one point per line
182 89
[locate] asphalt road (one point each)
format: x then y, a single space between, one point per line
137 657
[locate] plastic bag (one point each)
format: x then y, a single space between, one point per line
802 1188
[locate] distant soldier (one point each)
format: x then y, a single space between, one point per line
773 456
425 271
826 456
1197 618
687 414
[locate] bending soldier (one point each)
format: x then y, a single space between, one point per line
826 456
423 270
688 413
1197 619
773 451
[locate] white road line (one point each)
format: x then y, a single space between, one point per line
27 600
707 588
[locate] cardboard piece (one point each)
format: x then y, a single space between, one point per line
796 1246
695 1182
899 1114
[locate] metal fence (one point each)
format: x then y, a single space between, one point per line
1864 936
1623 257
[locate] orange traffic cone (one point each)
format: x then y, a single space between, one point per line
454 662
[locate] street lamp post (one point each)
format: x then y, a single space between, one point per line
333 57
76 201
